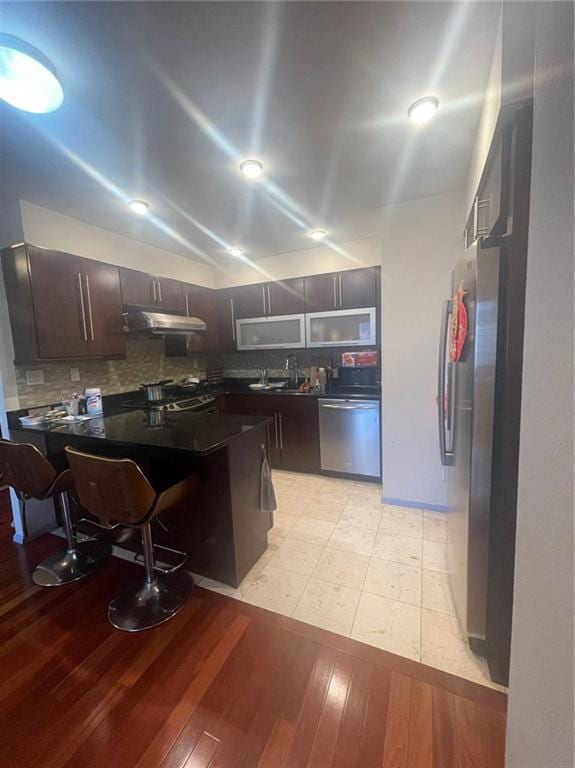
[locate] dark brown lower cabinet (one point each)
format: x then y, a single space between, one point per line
293 433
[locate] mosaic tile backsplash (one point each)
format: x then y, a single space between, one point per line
146 361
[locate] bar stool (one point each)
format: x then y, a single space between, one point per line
30 474
116 491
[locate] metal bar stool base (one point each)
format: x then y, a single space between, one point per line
148 605
72 565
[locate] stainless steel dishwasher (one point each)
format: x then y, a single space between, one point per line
350 436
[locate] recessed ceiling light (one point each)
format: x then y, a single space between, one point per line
317 234
140 207
237 252
251 168
27 78
423 110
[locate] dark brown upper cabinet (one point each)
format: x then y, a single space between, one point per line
249 301
351 289
226 321
145 290
282 297
285 297
62 306
357 288
201 302
321 292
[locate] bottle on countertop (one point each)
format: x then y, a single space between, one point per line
93 401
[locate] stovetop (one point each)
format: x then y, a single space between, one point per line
172 403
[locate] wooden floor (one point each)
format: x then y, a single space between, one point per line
223 684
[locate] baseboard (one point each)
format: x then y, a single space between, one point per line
415 504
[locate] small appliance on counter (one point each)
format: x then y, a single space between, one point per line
361 379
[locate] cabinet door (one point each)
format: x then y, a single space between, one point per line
285 297
259 405
103 304
170 294
137 287
226 321
357 288
59 306
201 302
321 293
298 433
249 301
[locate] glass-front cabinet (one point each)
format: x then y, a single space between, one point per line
349 327
282 332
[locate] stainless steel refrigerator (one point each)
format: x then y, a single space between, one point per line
466 398
479 393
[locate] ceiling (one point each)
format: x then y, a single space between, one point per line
163 100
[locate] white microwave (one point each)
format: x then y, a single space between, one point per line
345 327
281 332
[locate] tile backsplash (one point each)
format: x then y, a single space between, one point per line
145 361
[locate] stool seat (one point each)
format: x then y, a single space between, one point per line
24 468
116 491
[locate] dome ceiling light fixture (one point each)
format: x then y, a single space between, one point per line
28 80
141 207
237 252
317 234
423 109
251 168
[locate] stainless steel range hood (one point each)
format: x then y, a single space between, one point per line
160 324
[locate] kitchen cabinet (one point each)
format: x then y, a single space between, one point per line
143 289
281 297
351 289
286 297
293 433
201 302
357 288
225 307
62 306
249 301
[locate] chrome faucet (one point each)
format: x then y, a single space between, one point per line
264 377
292 367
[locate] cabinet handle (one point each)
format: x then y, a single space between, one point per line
276 428
264 297
89 301
335 290
154 290
281 432
84 327
159 291
340 292
233 319
269 301
187 306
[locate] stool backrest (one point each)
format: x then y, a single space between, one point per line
113 490
26 469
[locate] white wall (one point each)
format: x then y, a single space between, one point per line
540 715
49 229
420 241
312 261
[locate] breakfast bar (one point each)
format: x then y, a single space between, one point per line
221 526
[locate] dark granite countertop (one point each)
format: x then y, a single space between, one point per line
197 433
241 386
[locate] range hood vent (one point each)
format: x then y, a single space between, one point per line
160 324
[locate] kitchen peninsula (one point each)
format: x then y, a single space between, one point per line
222 527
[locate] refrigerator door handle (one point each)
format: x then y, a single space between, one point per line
447 457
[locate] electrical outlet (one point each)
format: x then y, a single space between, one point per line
195 362
34 377
74 374
444 473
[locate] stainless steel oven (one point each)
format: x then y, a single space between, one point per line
350 436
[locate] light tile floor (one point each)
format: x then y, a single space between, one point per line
341 560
